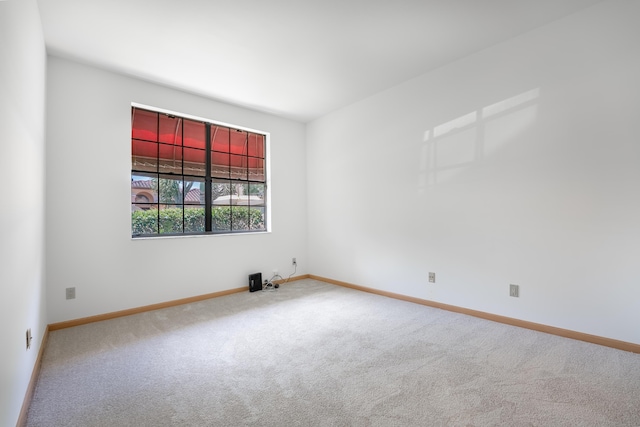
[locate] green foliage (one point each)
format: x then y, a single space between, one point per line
144 222
193 220
170 221
240 217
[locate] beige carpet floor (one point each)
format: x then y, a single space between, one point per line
314 354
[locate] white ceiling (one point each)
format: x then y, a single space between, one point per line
296 58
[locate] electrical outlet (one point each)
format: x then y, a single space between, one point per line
294 261
71 293
514 291
29 338
432 277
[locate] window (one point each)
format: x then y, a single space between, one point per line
195 177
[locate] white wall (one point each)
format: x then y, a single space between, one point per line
518 164
22 93
89 243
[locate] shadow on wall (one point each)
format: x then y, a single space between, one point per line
451 147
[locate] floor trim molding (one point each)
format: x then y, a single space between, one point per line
24 411
566 333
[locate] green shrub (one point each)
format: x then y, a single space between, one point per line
144 222
170 221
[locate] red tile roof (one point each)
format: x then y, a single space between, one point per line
193 196
142 183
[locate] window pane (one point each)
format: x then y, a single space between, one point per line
256 169
220 139
221 218
193 191
170 190
240 206
194 219
143 188
220 192
170 219
240 218
170 158
144 156
144 208
144 124
239 168
144 222
170 129
256 145
194 134
256 218
220 165
256 191
240 188
194 162
238 142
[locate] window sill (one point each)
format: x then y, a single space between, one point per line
191 236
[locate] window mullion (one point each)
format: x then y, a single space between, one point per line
158 170
207 178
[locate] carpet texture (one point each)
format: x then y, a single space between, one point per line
315 354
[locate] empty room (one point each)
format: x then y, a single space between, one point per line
337 213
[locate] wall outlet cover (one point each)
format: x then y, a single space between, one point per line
514 291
